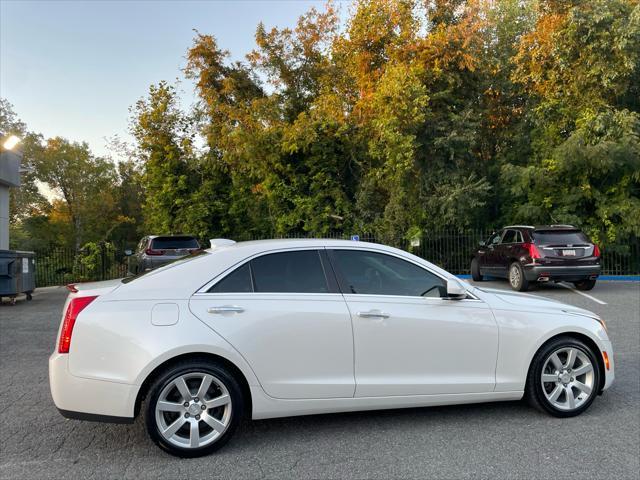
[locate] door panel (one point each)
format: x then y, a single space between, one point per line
298 345
423 346
490 265
505 250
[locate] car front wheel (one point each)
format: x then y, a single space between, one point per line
193 408
564 378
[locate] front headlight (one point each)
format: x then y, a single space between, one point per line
602 322
593 317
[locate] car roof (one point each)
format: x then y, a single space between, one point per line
177 235
274 244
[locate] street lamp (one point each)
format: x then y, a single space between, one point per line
10 142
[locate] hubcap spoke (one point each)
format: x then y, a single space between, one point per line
549 377
165 406
218 401
570 398
571 358
556 393
181 385
582 369
556 361
582 387
214 423
173 428
194 440
204 386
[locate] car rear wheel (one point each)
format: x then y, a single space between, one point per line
193 408
585 284
517 280
475 270
564 378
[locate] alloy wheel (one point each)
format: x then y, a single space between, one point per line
514 276
568 378
193 410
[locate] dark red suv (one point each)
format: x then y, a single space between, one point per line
525 254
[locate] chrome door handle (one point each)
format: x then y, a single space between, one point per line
225 309
373 314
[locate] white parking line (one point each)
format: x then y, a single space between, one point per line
583 294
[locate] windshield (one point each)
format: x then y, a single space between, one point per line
171 264
567 237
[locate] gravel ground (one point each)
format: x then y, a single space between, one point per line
507 440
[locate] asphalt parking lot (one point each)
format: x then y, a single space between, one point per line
507 440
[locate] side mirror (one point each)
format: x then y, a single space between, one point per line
455 290
482 243
128 253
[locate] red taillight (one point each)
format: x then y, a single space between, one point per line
151 251
533 250
76 305
596 251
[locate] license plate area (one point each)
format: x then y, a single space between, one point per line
568 253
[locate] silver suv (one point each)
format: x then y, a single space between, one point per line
154 251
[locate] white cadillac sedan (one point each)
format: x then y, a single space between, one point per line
295 327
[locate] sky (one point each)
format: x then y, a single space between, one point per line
73 68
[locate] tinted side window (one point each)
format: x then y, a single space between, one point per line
238 281
519 238
379 274
509 236
289 272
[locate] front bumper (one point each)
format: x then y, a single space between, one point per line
89 399
566 273
609 375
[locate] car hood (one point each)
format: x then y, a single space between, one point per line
506 300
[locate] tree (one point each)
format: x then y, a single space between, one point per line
578 65
84 183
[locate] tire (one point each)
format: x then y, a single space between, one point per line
585 284
539 394
516 278
475 270
225 417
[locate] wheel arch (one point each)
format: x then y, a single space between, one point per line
194 356
590 342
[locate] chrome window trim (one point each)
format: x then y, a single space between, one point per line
202 291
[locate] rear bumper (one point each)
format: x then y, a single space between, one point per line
566 273
89 399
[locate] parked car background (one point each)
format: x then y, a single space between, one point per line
153 251
525 254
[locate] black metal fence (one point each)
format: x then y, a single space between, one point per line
450 250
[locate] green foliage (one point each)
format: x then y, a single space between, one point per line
94 261
410 117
